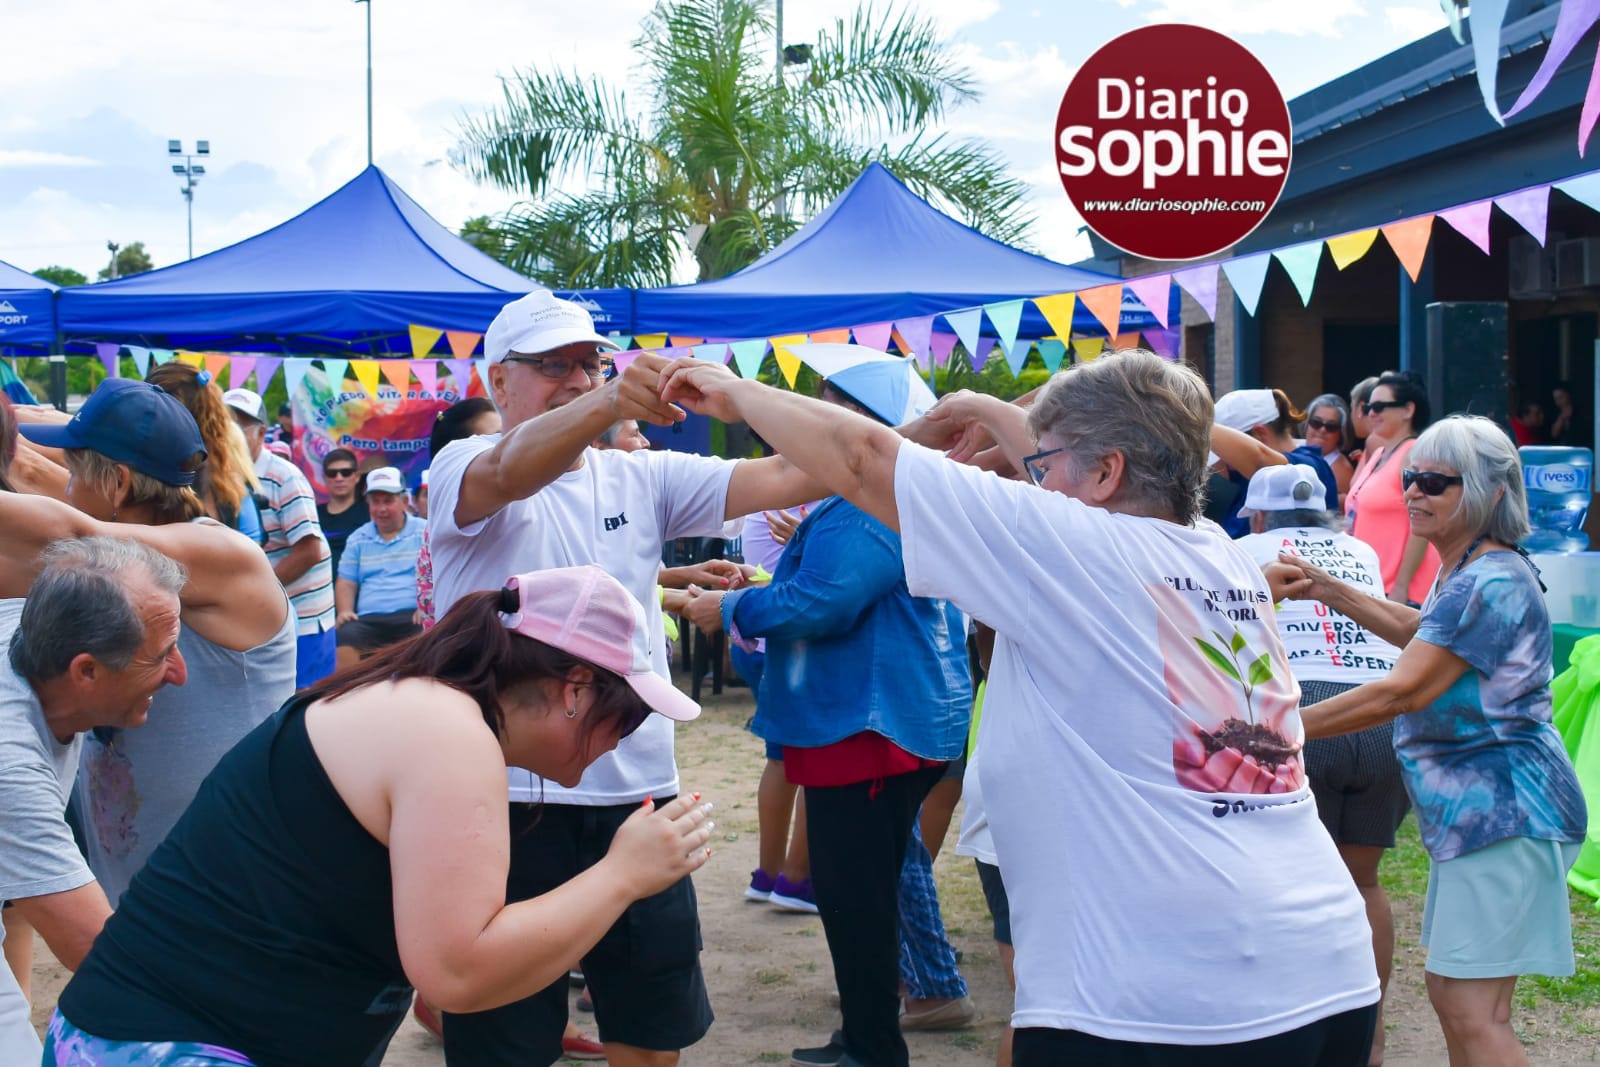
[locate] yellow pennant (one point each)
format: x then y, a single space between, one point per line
366 372
1350 247
423 338
1057 311
1087 349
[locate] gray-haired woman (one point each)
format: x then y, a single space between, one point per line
1328 430
1170 885
1498 803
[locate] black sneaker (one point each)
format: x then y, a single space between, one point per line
830 1055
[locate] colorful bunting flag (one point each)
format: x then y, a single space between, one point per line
216 363
1057 311
980 354
141 359
294 371
1163 343
482 366
334 369
239 372
366 372
161 355
1300 262
966 325
1591 107
1409 240
1005 317
462 342
686 342
1052 350
874 335
1530 207
1087 349
650 340
1017 353
1571 24
427 372
1155 293
1347 248
1487 17
397 372
1585 189
1248 276
623 359
1105 304
1125 341
1200 282
461 371
914 335
940 346
193 359
107 351
788 364
719 352
748 356
423 338
266 368
1471 221
831 337
621 340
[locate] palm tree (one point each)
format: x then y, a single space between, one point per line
726 157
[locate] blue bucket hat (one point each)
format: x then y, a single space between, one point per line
131 422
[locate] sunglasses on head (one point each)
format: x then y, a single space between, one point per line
1315 423
1432 483
1372 407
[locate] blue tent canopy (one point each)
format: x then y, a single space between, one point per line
878 252
351 271
27 309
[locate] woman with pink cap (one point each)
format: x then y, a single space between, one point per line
355 845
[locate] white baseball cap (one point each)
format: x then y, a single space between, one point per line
1285 487
247 401
539 322
1245 409
385 480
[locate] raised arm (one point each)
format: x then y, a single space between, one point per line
1242 452
537 452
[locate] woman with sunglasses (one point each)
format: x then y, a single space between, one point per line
346 509
355 845
1327 429
1375 506
1498 803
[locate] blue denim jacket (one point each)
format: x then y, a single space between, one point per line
849 648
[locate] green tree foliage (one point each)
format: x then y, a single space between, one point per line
131 259
61 276
723 158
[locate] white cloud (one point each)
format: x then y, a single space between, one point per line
1322 18
1414 21
22 157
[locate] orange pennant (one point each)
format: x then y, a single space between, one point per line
397 372
1105 303
216 363
1125 342
687 342
831 337
1409 239
462 342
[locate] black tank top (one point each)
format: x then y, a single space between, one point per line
263 924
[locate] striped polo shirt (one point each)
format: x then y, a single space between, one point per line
290 515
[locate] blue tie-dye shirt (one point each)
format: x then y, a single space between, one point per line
1482 763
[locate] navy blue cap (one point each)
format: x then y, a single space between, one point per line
131 422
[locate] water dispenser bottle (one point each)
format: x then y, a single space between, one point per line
1558 482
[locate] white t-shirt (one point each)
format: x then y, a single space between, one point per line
1147 903
975 840
37 853
1324 645
615 511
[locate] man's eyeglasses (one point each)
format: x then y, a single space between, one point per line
340 472
1326 427
1031 464
560 367
1432 483
1372 407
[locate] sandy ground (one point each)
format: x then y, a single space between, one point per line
769 975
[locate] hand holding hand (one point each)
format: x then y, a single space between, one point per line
703 387
704 610
637 393
1312 583
659 848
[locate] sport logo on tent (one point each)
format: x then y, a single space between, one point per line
10 316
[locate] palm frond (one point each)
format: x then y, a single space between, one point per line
597 239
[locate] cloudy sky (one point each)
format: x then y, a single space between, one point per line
94 90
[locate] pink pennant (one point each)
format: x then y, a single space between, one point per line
239 372
1200 283
1163 343
1471 221
427 372
941 345
874 335
916 334
1530 207
622 359
266 368
461 371
1574 21
1591 106
1155 293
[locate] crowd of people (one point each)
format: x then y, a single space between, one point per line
275 772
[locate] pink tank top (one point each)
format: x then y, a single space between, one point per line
1377 510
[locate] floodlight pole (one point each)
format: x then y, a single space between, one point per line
369 78
782 205
190 173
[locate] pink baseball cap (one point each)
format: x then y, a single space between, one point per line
587 613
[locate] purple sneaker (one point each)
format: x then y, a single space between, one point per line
793 896
760 887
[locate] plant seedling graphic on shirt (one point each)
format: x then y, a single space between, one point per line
1251 738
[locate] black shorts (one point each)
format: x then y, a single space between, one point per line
372 632
1355 779
1343 1040
994 893
644 975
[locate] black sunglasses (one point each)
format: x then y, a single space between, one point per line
560 367
1326 427
340 472
1372 407
1432 483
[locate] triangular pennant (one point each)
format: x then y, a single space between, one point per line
1347 248
874 335
966 325
1574 21
461 371
423 338
914 335
141 359
107 351
1472 222
1105 304
1123 342
239 372
621 340
621 359
1085 349
1200 282
294 371
193 359
1017 353
1005 318
1155 293
650 340
427 372
397 372
266 367
216 363
1052 350
1247 276
1531 209
334 369
1591 107
940 346
1301 262
788 363
482 366
1585 189
1057 311
1409 240
1163 343
716 353
979 355
1487 17
366 372
676 352
747 356
686 342
831 337
462 343
161 355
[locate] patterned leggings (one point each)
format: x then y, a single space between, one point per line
67 1046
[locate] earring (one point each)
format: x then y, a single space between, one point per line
572 713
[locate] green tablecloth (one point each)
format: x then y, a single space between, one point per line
1566 635
1575 700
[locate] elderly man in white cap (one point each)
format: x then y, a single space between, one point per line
538 496
375 593
299 553
1269 417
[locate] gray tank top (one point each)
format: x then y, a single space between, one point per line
133 784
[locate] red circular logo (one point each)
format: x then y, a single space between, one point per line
1173 142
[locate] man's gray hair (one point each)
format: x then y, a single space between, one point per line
1494 502
80 603
1309 518
1156 413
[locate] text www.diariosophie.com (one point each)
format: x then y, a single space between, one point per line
1191 207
